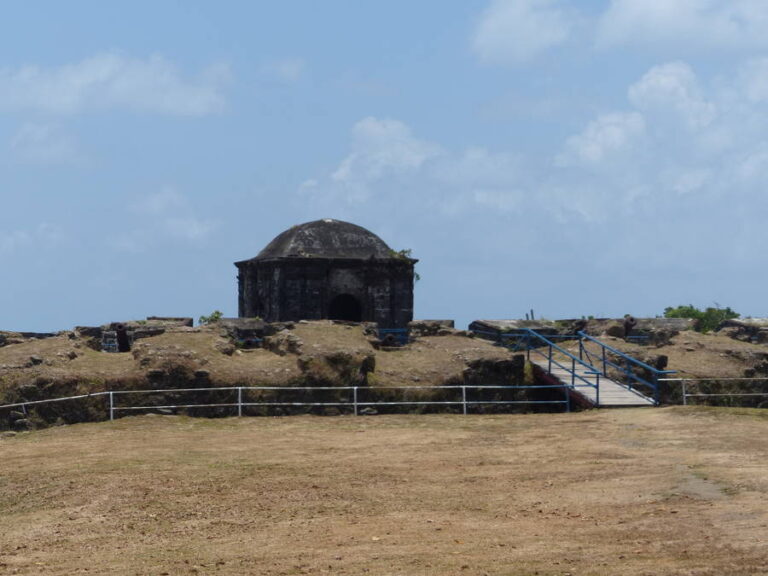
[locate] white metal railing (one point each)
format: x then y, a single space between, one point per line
354 402
686 394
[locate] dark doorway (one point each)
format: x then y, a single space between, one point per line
345 307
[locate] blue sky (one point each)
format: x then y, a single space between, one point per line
578 158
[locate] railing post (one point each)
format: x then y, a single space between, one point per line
581 347
354 398
605 372
111 406
597 392
549 366
239 401
685 394
464 398
567 399
573 372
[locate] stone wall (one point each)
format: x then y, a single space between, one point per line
302 289
656 330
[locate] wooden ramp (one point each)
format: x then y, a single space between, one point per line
612 394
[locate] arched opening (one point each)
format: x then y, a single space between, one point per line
345 307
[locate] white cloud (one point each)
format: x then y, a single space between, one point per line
517 31
113 81
287 69
754 167
689 182
309 184
389 164
478 167
166 214
381 147
608 134
503 200
40 237
689 25
754 79
43 144
637 194
684 139
165 201
188 228
12 240
678 137
673 88
478 177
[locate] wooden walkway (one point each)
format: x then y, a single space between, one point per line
612 394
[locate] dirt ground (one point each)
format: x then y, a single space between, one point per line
678 491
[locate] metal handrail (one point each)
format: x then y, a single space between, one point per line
524 336
574 360
627 371
499 337
33 402
553 336
586 336
685 394
354 402
521 337
401 335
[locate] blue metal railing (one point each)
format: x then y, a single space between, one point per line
494 335
629 367
399 336
519 340
576 379
641 339
249 343
597 364
528 340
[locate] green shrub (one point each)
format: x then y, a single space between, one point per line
213 317
706 320
404 254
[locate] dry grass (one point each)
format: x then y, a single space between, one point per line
694 354
88 365
648 491
430 360
713 355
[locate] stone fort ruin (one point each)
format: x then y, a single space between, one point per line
327 269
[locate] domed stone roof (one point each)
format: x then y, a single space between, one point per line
326 239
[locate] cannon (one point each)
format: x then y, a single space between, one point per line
629 323
123 341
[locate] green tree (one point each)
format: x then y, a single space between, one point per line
212 318
706 320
